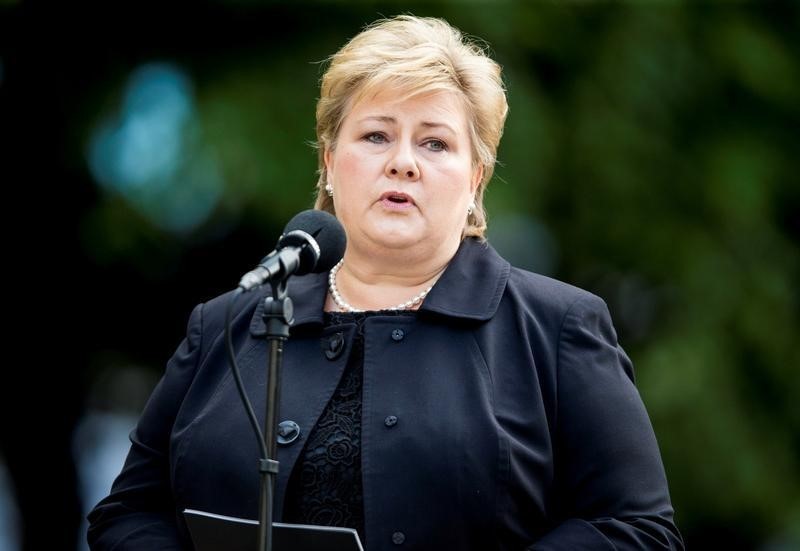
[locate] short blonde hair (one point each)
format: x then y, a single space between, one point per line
415 55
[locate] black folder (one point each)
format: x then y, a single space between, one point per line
212 532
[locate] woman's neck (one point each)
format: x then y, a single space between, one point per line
376 282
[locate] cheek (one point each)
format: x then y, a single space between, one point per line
453 187
351 164
351 181
343 175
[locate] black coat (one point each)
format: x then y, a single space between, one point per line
518 422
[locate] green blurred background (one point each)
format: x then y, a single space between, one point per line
152 152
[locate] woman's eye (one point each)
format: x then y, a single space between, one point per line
375 137
436 145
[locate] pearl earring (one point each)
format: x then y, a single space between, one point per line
471 208
329 189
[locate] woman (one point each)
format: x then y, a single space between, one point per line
444 399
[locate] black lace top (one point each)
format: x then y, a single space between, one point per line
325 485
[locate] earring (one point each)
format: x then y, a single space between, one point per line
471 208
329 189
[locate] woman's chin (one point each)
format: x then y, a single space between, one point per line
396 234
398 240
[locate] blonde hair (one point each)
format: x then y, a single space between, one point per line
415 55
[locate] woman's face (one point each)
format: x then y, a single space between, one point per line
402 172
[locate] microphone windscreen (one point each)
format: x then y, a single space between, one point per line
327 231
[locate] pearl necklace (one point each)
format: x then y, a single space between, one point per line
341 303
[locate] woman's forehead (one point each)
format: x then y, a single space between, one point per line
426 107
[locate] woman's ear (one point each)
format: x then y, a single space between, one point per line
477 177
327 159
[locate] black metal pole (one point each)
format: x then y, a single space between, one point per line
278 317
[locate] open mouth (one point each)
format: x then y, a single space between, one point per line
397 198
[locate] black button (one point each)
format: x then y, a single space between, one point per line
398 334
390 421
333 346
398 538
288 432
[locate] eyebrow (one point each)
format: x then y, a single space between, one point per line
392 120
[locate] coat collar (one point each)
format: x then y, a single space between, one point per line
470 288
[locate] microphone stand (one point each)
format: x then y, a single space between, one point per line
278 316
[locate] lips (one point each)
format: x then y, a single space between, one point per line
397 198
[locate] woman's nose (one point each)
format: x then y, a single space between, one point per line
403 164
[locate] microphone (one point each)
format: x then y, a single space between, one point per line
312 241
